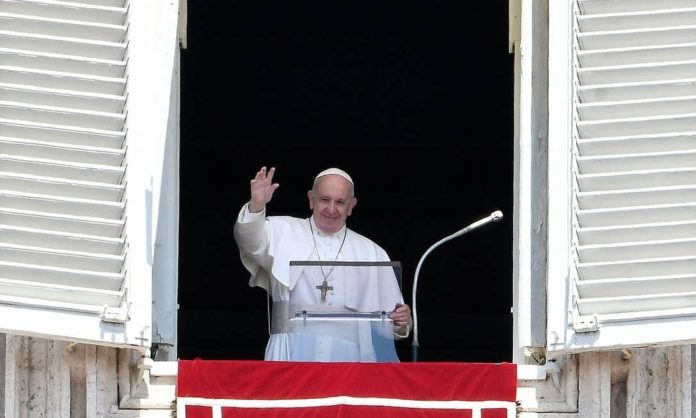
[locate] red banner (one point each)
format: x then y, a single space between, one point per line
211 389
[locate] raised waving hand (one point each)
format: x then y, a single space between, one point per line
262 188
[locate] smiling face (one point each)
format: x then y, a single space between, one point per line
331 201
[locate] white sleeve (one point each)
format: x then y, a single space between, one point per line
251 235
403 331
246 217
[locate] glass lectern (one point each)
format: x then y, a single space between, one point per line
340 311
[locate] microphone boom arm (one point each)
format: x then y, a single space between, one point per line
493 217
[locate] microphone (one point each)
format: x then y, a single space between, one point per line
493 217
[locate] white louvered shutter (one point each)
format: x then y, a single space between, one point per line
632 274
63 171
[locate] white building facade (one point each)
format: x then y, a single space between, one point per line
605 207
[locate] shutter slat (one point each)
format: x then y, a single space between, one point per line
590 7
673 70
635 38
56 151
87 225
636 108
640 144
636 215
61 276
66 294
62 134
66 116
61 258
55 79
637 19
57 10
636 287
633 198
67 98
85 48
629 251
636 232
62 63
637 91
637 55
672 124
637 180
34 237
62 28
642 161
107 3
62 169
68 206
670 266
61 187
638 303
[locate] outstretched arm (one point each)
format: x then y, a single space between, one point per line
250 229
262 188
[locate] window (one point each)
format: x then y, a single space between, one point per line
84 131
622 174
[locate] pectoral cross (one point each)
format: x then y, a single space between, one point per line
324 288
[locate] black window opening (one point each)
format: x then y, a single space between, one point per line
414 100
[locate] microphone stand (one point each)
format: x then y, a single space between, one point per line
493 217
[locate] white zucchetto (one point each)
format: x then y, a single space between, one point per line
336 171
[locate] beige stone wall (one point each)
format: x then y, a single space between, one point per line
652 382
48 378
2 375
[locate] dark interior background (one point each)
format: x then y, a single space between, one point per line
414 99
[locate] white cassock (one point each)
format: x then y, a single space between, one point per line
268 245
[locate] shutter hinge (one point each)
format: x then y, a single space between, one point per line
586 323
114 315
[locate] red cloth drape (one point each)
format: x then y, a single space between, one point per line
295 382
